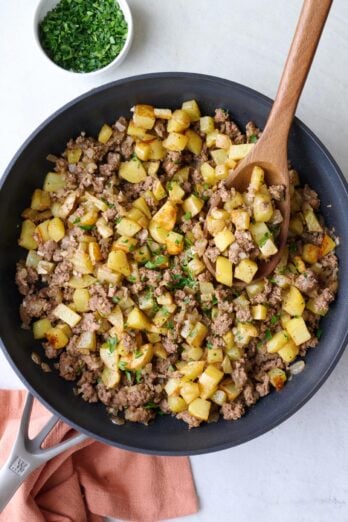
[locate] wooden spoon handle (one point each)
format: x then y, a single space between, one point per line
308 31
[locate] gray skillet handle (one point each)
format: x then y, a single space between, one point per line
27 454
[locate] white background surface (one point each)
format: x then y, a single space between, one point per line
299 471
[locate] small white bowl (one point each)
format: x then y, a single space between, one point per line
47 5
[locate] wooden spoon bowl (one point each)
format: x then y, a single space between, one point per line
270 152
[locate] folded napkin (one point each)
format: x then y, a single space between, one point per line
93 480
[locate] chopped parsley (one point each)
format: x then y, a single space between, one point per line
138 354
132 279
268 335
170 325
86 227
110 205
128 375
138 376
156 262
122 365
319 333
77 220
187 216
274 319
253 138
112 343
293 248
179 282
264 239
116 299
83 36
118 220
209 346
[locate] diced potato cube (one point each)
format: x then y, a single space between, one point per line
195 353
221 172
182 175
262 208
259 312
277 342
127 227
175 141
226 365
172 386
313 306
141 357
54 182
192 109
41 231
210 139
246 270
110 378
116 319
224 239
88 219
311 220
174 243
179 121
240 219
194 143
98 203
103 228
238 152
231 389
192 370
257 178
163 114
215 355
73 155
158 190
144 116
132 171
87 342
65 329
299 264
245 331
197 334
193 205
142 254
327 245
33 215
94 252
142 150
214 226
310 253
136 132
125 243
293 302
223 141
176 404
56 229
235 201
298 330
284 318
110 358
255 288
105 133
32 259
189 391
159 350
199 408
219 397
229 339
56 338
117 261
175 192
157 150
141 205
40 200
163 315
196 266
82 281
208 173
40 328
289 351
158 233
105 275
82 262
224 272
66 314
138 320
219 156
81 299
26 238
206 124
209 381
277 378
165 217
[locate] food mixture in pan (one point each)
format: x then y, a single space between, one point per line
115 283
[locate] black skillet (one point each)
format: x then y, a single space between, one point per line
166 436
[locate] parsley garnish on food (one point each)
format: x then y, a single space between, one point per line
112 343
86 227
83 36
156 262
293 248
187 216
319 333
274 319
268 335
264 239
128 375
115 299
138 376
138 354
77 220
253 138
122 365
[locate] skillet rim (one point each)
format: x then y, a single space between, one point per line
281 417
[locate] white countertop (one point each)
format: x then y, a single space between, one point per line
299 471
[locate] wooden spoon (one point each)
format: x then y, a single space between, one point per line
270 152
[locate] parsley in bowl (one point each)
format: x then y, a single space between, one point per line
86 36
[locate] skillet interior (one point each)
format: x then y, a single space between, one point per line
26 172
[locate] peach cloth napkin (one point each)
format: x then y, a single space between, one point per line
93 480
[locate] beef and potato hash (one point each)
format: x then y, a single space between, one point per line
115 283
